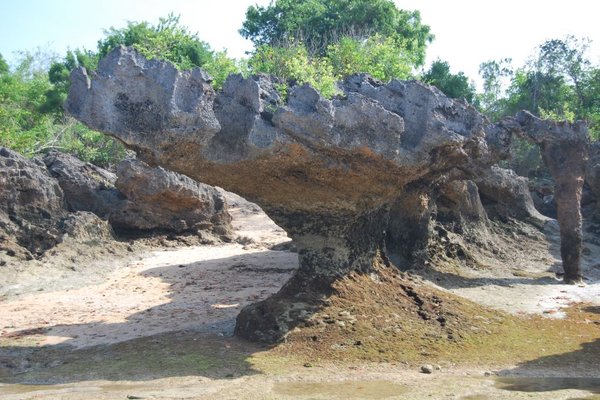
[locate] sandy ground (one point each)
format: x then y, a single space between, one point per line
201 290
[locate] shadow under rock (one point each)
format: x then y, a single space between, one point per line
189 335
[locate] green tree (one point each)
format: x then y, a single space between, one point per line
29 127
559 81
321 23
59 73
382 57
452 85
495 75
566 58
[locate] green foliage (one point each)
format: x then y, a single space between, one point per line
494 75
221 66
32 118
382 57
294 65
3 65
58 75
321 23
559 82
452 85
29 127
166 41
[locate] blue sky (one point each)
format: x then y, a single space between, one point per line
468 32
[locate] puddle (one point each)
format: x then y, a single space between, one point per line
340 390
522 384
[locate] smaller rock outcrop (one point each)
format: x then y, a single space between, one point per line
86 228
86 187
504 195
155 198
62 197
140 198
31 205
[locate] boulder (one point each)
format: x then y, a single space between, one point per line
86 187
140 198
154 198
505 195
85 227
328 171
31 205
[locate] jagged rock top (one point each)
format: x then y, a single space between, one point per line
403 130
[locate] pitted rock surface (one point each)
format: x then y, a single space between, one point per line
31 205
154 198
86 187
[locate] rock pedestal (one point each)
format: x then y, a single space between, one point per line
565 148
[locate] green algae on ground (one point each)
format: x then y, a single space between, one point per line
395 319
185 353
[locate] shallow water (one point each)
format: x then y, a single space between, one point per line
369 390
527 384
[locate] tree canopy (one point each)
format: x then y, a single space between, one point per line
320 23
558 82
452 85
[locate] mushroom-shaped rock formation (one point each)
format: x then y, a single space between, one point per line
326 171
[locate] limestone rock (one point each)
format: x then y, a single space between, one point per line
86 187
565 148
155 198
87 228
593 173
506 195
31 204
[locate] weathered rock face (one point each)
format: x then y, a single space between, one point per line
86 187
154 198
327 171
86 227
140 198
506 195
31 205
